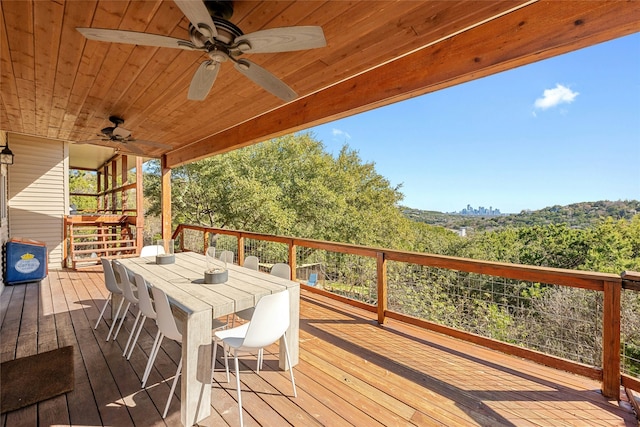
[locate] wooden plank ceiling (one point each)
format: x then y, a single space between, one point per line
57 84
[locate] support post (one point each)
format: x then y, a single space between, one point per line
166 200
240 249
381 262
139 206
205 241
611 340
292 259
124 179
114 184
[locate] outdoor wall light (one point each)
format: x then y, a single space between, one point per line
6 155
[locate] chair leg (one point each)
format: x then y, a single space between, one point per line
135 340
115 319
235 355
152 357
286 352
213 359
133 330
226 361
173 388
124 314
104 307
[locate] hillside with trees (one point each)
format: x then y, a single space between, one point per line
577 215
292 186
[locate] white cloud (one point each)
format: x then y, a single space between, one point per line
556 96
340 133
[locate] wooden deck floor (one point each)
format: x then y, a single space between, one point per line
351 372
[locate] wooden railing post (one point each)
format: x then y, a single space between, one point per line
65 241
240 249
165 180
292 259
611 340
205 241
382 286
139 206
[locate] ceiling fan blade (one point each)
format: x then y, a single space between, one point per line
93 141
150 143
203 80
197 13
132 148
121 132
284 39
265 79
133 37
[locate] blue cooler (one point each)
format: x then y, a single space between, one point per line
26 261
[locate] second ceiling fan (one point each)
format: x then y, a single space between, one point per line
211 32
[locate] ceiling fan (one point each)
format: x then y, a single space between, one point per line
211 32
118 135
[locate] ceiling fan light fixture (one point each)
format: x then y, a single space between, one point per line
121 132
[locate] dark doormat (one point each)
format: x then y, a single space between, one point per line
32 379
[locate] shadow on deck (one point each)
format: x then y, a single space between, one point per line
352 371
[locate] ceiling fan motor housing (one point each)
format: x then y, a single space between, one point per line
219 8
108 131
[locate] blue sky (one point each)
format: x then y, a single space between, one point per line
560 131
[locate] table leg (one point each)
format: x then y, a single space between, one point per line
293 333
196 368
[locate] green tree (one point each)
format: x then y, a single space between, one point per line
81 181
614 246
290 186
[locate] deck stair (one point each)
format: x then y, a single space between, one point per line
90 237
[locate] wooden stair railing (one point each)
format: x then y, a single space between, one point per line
90 237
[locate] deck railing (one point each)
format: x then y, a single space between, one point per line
407 286
87 238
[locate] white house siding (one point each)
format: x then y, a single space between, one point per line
38 196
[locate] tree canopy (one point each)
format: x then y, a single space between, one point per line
292 186
289 186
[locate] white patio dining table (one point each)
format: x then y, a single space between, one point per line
196 304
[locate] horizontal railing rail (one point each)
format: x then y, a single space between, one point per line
609 285
87 238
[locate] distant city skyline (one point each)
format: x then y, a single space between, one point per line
560 131
480 210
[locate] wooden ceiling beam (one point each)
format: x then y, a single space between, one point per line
535 32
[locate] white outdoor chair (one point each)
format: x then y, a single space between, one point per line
227 256
251 262
168 328
146 308
281 270
151 250
129 296
112 286
269 323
